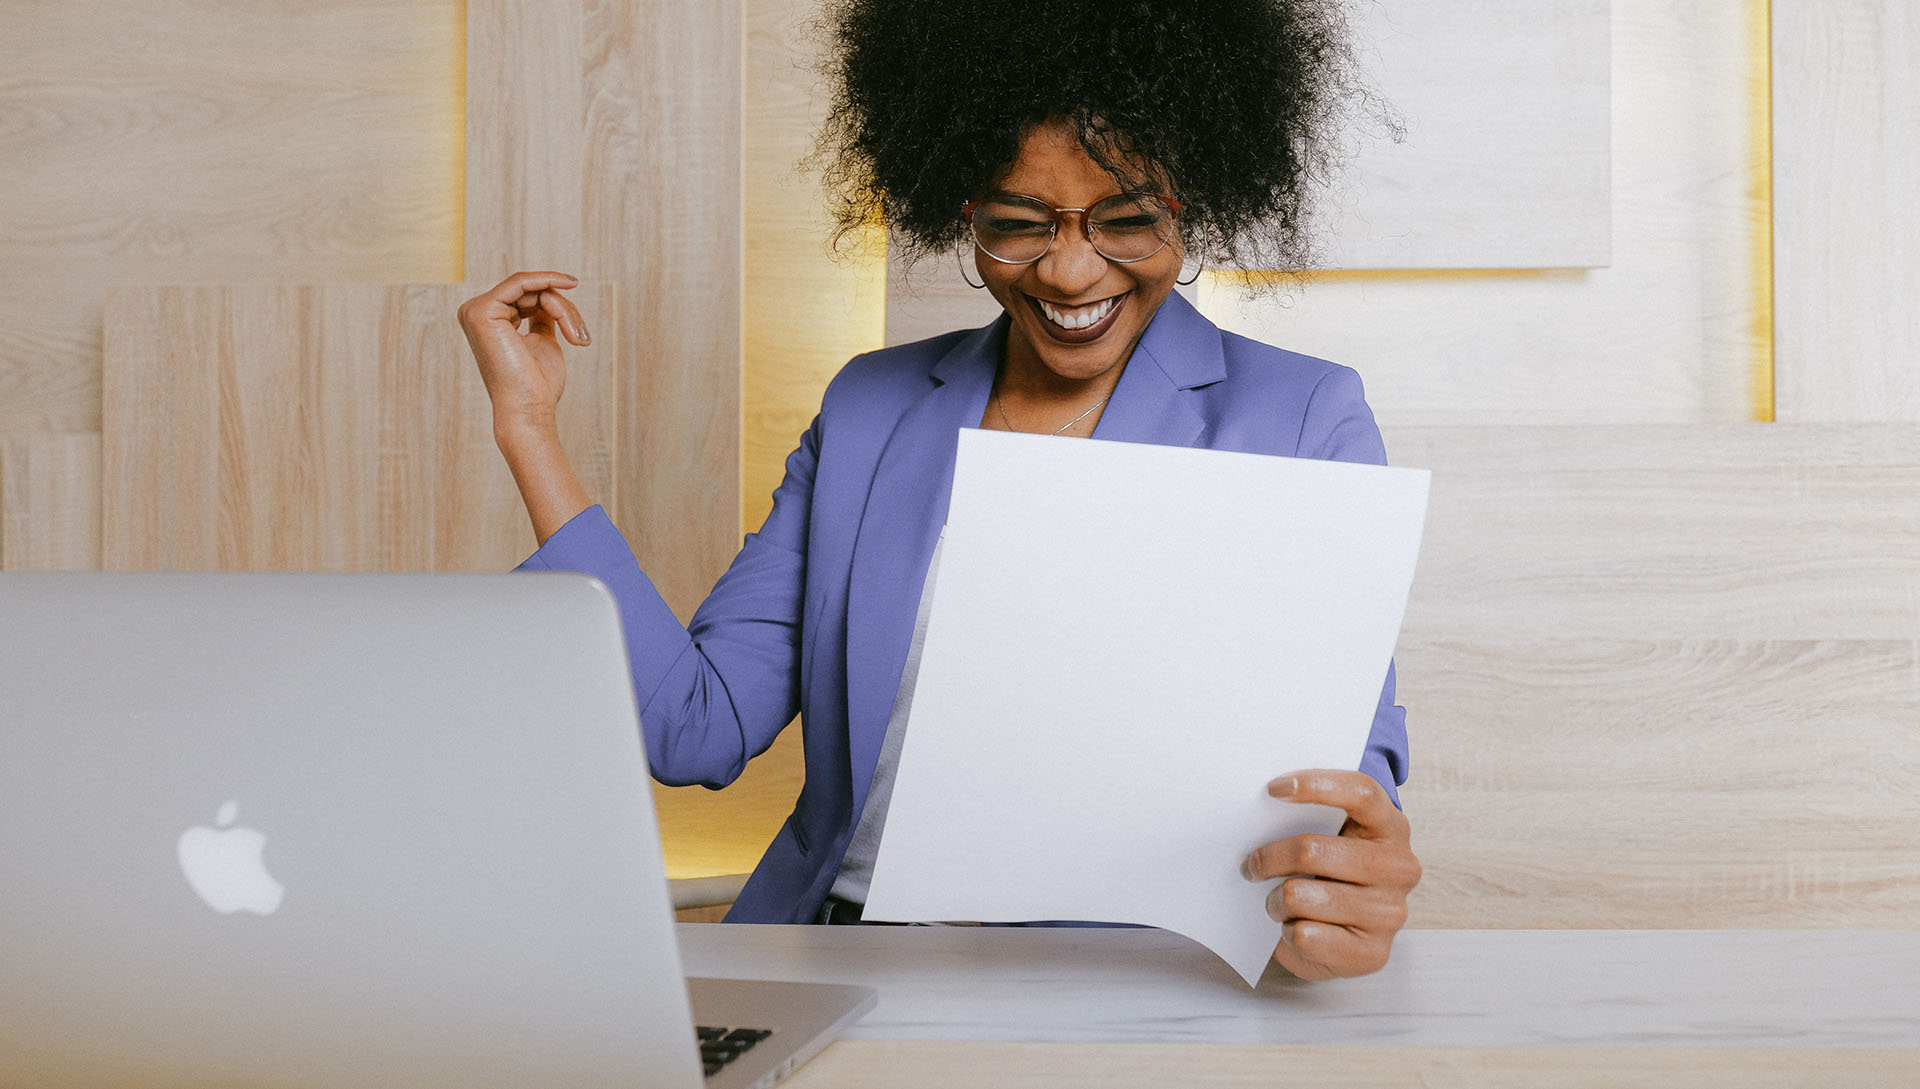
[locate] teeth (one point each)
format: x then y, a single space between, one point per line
1078 317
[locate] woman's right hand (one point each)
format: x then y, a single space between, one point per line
525 372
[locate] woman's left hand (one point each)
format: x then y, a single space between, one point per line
1345 896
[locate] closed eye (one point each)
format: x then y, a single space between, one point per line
1016 226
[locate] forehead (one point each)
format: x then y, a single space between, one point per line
1052 166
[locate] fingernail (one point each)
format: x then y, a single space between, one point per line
1246 868
585 337
1283 787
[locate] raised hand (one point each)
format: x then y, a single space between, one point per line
525 374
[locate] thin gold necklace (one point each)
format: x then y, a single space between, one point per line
1002 408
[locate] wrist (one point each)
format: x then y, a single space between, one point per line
525 429
541 469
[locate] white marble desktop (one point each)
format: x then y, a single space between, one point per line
1477 988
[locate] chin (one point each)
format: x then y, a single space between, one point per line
1085 362
1081 366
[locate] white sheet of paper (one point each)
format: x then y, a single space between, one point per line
1126 643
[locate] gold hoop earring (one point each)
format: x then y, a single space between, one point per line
961 256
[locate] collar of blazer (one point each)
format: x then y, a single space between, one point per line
913 480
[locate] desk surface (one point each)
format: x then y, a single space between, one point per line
1474 988
972 1007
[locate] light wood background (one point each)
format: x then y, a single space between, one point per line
1711 619
180 142
190 142
50 503
603 138
320 428
1666 677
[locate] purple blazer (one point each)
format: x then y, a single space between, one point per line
816 613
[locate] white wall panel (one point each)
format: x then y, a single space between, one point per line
1673 330
1846 102
1504 163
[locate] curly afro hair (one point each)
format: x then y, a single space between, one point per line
1237 108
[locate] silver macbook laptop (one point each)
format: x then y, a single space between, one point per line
329 831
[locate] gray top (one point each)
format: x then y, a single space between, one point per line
856 869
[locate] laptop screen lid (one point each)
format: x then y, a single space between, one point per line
324 831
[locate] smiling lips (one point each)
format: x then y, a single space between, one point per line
1079 324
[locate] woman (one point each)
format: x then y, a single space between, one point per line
1080 153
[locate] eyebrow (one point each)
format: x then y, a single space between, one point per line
991 193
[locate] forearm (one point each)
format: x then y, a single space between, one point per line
548 485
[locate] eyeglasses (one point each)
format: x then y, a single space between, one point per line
1125 227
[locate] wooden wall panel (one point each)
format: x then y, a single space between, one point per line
50 503
1846 98
1753 531
605 138
174 142
663 215
1673 783
1665 677
526 137
334 428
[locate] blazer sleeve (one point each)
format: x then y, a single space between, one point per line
716 692
1338 426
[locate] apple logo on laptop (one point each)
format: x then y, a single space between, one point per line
224 866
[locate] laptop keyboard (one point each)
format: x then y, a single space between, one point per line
720 1046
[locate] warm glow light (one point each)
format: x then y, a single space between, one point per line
1760 194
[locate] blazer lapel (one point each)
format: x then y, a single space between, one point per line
905 511
1180 351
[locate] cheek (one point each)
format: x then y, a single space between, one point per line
998 278
1157 279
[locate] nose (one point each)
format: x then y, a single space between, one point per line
1071 265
